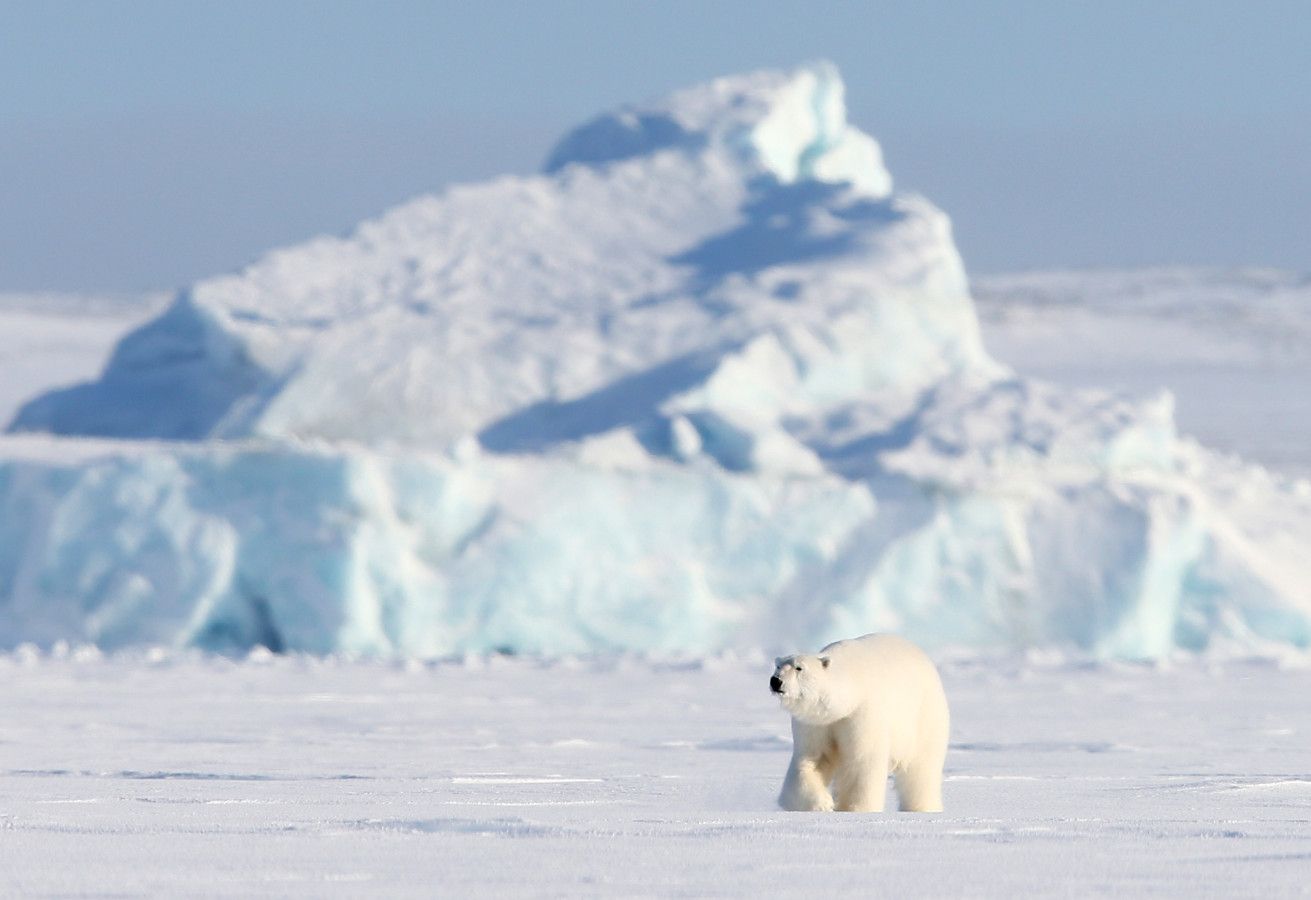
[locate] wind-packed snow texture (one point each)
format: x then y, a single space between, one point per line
157 774
705 383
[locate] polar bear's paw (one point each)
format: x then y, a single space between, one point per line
796 803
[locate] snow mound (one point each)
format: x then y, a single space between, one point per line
51 340
705 383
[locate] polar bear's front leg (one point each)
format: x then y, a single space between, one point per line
805 789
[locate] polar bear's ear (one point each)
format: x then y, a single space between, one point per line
824 661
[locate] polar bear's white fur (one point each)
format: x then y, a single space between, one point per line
861 709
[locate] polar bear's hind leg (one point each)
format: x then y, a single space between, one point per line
919 787
861 784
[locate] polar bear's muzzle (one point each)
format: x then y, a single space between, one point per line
776 684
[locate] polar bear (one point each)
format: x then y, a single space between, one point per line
861 709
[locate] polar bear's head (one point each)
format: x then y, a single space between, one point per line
810 688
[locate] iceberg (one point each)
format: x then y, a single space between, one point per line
707 381
646 251
357 552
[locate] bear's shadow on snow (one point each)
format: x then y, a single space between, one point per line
785 224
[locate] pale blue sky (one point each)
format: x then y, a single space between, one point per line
147 144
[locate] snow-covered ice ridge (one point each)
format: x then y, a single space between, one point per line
706 382
54 339
1233 345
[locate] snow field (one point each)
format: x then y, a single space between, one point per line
1232 346
165 774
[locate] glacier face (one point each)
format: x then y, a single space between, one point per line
337 550
706 382
418 555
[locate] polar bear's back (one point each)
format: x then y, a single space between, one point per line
879 649
899 684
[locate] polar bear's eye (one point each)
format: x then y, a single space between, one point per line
798 667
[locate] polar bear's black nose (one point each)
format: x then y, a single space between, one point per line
776 684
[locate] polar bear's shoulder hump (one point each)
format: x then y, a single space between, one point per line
886 646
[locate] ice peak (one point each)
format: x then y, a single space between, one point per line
791 125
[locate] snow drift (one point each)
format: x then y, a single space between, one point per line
706 382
